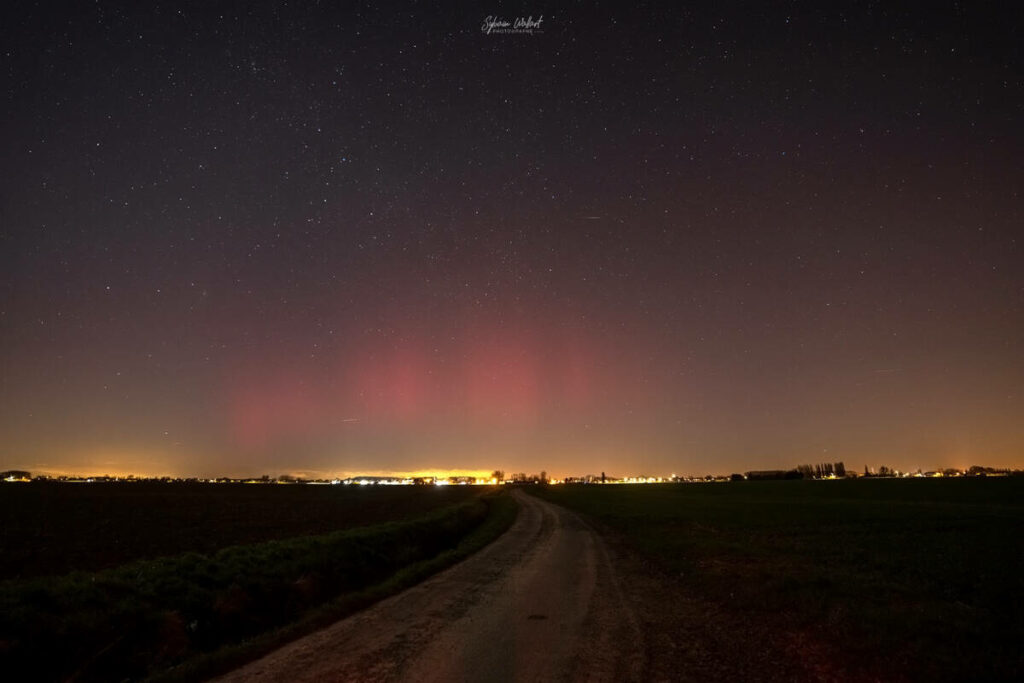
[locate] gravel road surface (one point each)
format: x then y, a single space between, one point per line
541 603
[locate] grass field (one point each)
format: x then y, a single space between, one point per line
893 579
188 615
55 528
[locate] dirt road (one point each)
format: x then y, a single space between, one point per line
541 603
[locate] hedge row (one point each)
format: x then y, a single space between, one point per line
145 616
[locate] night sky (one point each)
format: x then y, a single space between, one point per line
313 238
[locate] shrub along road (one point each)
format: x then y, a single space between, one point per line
540 603
185 616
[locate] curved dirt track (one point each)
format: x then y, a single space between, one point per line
539 604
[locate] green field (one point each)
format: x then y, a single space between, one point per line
893 579
190 614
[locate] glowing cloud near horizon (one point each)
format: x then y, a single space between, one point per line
495 378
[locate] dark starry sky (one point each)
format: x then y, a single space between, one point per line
315 238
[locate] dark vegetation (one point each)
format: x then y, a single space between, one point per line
822 470
899 579
194 614
54 528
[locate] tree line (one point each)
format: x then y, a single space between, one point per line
824 470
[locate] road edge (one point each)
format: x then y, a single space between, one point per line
502 513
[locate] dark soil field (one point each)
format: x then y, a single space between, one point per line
55 528
822 580
190 580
